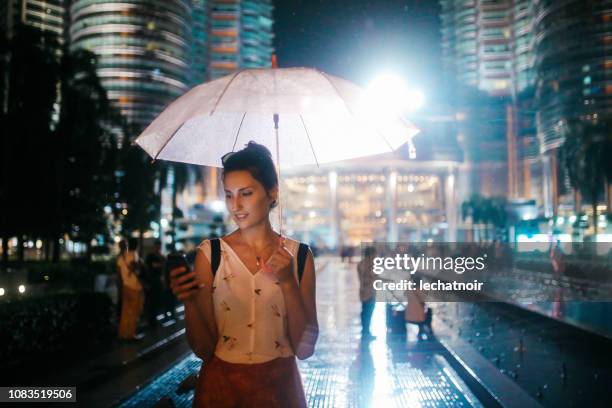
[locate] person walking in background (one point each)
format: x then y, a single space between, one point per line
132 291
119 280
155 264
366 291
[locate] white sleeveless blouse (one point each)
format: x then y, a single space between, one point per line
249 309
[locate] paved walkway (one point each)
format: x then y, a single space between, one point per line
345 372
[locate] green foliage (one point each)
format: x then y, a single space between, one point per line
59 153
138 189
77 273
89 151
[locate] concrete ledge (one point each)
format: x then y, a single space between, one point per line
505 391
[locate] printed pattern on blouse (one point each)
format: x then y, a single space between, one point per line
250 309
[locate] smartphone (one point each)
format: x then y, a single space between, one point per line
176 260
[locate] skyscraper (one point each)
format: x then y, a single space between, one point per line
549 58
240 35
476 47
573 42
199 42
45 15
143 50
476 39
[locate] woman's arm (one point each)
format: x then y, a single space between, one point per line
300 302
200 324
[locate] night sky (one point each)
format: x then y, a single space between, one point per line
356 39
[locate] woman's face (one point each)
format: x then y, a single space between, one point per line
246 198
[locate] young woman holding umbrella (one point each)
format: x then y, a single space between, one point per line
250 311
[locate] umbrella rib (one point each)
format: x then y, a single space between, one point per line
238 132
168 141
350 111
309 141
224 90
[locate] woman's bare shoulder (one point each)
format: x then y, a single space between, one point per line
231 237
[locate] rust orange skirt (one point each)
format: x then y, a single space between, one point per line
275 383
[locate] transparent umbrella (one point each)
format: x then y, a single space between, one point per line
304 116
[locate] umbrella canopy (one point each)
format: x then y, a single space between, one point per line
320 118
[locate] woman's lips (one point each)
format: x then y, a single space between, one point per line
241 217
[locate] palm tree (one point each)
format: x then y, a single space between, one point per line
488 211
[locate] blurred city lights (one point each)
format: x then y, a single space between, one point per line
21 288
1 291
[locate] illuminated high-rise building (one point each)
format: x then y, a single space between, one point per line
476 47
476 38
573 43
556 59
240 35
47 16
199 42
44 15
143 49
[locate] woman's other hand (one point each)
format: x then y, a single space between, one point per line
280 263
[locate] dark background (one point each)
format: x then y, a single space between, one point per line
357 39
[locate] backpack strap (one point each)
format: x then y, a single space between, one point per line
301 260
215 255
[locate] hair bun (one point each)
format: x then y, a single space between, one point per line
258 148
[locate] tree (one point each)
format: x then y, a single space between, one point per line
87 153
585 156
26 192
59 151
138 189
488 211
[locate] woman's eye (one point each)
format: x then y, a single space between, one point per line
227 196
247 193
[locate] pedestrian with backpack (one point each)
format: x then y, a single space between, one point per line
250 300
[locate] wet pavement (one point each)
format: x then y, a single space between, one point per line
485 354
344 371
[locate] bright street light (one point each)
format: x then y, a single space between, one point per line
388 92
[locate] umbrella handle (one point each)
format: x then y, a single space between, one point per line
275 117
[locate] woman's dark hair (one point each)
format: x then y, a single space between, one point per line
257 160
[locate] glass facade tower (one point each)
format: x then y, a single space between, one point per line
240 35
143 49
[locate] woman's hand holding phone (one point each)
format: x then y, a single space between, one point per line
184 283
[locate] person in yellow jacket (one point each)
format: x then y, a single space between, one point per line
132 292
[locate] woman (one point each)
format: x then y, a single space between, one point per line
132 293
250 318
